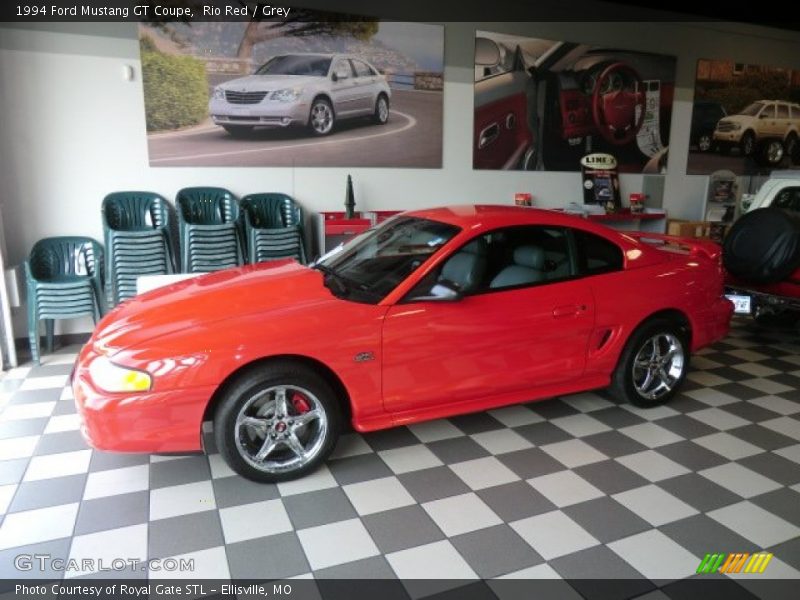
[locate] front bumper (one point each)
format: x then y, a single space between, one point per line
155 421
729 137
265 114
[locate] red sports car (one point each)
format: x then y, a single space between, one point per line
432 313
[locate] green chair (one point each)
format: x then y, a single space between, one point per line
64 277
138 239
273 228
209 229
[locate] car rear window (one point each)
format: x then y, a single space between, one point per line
783 111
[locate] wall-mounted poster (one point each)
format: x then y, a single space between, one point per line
746 118
362 93
543 104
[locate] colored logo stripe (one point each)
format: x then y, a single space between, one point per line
734 562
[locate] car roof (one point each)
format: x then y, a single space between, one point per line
484 216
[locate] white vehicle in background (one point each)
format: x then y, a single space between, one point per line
781 190
767 130
313 90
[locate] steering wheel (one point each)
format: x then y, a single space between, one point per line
615 112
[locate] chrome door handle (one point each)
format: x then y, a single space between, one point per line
488 135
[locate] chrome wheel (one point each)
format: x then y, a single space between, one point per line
658 366
383 110
774 152
704 143
321 118
281 429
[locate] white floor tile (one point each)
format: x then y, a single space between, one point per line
712 397
181 500
117 481
378 495
66 394
744 354
740 480
652 466
208 564
58 465
21 447
127 543
553 534
706 378
654 505
17 373
580 425
727 445
350 444
656 556
586 402
653 413
6 495
219 468
33 410
433 431
756 524
460 514
651 435
768 386
431 561
44 383
543 571
516 416
337 543
718 418
249 521
40 525
410 458
756 369
61 423
792 453
321 479
574 453
776 404
60 358
565 488
483 473
784 425
500 441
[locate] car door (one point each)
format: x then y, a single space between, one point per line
498 338
344 91
767 123
365 79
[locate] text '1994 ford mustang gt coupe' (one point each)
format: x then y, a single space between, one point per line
433 313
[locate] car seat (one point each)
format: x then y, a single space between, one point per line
527 268
466 268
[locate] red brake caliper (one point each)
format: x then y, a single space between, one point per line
300 403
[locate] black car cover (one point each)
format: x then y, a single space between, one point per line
763 246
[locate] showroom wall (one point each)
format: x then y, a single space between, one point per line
72 128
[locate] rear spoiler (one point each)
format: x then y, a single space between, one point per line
691 246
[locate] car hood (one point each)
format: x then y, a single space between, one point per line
278 287
735 119
269 83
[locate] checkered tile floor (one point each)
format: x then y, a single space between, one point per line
576 487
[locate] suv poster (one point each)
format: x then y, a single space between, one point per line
543 105
746 118
293 93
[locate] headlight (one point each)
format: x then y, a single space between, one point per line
218 94
112 378
286 95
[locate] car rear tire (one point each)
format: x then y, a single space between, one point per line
748 144
771 153
238 131
321 118
653 364
277 422
381 114
792 148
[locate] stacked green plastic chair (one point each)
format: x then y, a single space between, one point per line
208 221
64 277
273 228
138 240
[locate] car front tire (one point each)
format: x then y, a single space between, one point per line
277 422
653 364
321 118
748 144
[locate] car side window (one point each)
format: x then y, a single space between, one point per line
343 66
783 111
596 254
768 112
361 69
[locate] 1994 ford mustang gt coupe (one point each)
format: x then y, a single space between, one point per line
433 313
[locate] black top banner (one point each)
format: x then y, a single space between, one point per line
33 11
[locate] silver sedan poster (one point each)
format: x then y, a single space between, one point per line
362 93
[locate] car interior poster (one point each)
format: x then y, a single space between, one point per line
745 118
293 92
543 105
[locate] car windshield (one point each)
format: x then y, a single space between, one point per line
373 264
315 66
752 110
